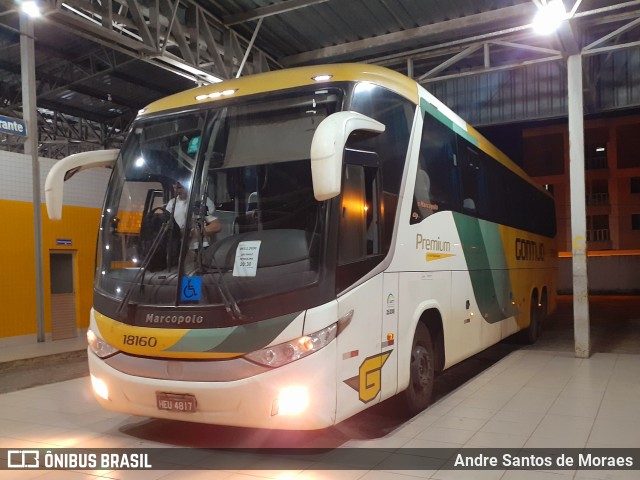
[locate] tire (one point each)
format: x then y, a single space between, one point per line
532 332
548 321
417 396
545 319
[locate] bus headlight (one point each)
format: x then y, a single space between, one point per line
100 387
291 401
98 346
278 355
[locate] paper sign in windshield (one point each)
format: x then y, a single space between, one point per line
246 262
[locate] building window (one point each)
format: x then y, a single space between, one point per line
595 148
597 192
628 146
635 184
595 156
635 221
598 228
544 155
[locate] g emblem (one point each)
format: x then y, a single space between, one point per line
368 383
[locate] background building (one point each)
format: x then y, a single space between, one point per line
612 185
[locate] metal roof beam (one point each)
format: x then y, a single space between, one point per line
492 18
613 34
152 31
69 77
114 98
568 34
159 89
523 46
73 111
453 60
470 73
268 10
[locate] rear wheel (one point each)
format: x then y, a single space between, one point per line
544 311
531 333
418 394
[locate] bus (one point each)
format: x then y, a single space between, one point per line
287 249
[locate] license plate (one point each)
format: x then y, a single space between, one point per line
176 402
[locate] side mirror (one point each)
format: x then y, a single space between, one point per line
327 148
65 168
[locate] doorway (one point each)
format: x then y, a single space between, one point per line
63 296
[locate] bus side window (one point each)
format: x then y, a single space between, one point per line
422 206
436 187
471 173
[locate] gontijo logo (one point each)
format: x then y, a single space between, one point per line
529 250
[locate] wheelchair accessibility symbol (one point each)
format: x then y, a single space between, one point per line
191 289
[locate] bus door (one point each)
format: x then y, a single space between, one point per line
361 357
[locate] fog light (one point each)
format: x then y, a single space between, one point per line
100 387
292 401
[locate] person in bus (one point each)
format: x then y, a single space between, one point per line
179 205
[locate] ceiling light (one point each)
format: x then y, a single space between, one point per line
549 17
31 8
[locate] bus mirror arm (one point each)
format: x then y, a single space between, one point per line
65 168
327 148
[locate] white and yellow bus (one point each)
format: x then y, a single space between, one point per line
343 236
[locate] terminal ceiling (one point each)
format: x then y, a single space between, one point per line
99 62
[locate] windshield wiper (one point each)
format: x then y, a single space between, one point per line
138 279
230 304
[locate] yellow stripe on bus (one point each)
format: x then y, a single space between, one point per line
149 342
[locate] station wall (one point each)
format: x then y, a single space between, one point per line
76 233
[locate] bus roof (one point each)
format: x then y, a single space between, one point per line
288 78
344 72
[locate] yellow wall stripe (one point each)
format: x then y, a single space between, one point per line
17 278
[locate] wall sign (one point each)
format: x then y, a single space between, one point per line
13 126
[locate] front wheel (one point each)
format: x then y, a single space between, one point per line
418 394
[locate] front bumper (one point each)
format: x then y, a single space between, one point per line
248 402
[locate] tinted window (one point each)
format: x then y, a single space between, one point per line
454 174
436 185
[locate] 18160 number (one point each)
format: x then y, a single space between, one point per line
138 341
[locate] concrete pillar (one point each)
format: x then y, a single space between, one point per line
30 116
578 208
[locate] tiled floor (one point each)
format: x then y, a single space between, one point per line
533 397
530 398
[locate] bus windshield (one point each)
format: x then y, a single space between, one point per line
215 207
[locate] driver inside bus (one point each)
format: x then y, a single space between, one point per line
179 206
